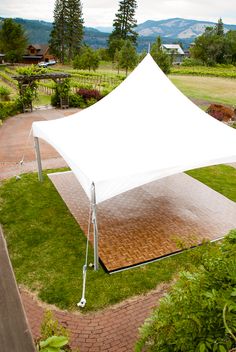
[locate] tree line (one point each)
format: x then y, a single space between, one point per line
66 40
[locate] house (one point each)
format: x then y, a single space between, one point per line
176 51
2 58
36 53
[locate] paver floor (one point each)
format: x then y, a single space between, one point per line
151 221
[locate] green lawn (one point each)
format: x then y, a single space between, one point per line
47 247
212 89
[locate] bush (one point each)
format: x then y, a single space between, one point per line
199 313
191 62
4 93
9 108
88 94
76 101
220 112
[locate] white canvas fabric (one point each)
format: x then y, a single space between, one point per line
142 131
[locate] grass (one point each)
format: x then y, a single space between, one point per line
47 247
212 89
221 178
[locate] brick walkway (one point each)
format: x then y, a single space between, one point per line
114 329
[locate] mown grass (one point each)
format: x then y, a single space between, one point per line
47 247
214 90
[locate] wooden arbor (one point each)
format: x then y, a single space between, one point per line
28 82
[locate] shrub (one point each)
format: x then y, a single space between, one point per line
4 93
191 62
77 101
9 108
220 112
199 313
88 94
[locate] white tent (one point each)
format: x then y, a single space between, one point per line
142 131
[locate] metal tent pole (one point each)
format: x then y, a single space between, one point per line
95 229
38 157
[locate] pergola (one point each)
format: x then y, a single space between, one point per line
25 81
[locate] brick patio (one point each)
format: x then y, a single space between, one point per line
148 222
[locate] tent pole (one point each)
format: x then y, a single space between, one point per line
95 228
38 157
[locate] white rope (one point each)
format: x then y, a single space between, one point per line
82 302
21 162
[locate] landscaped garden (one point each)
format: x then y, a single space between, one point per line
47 247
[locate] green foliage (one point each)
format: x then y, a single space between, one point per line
51 327
123 26
62 90
9 108
67 32
189 61
225 71
214 46
87 59
53 344
31 70
13 40
4 93
162 59
128 58
199 313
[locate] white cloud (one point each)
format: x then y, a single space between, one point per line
102 12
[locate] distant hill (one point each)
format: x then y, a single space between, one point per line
172 31
178 28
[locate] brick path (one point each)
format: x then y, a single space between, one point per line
114 329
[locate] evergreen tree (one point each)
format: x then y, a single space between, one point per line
220 28
75 22
162 59
124 25
128 56
67 32
13 40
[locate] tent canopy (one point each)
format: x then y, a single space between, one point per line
144 130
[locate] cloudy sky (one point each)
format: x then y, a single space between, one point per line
101 12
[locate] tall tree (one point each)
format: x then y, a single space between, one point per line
67 32
123 26
13 40
75 22
128 56
219 28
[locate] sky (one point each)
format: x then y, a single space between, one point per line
100 13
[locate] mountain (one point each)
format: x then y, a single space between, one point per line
172 31
178 28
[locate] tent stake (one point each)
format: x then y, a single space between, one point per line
95 229
38 157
